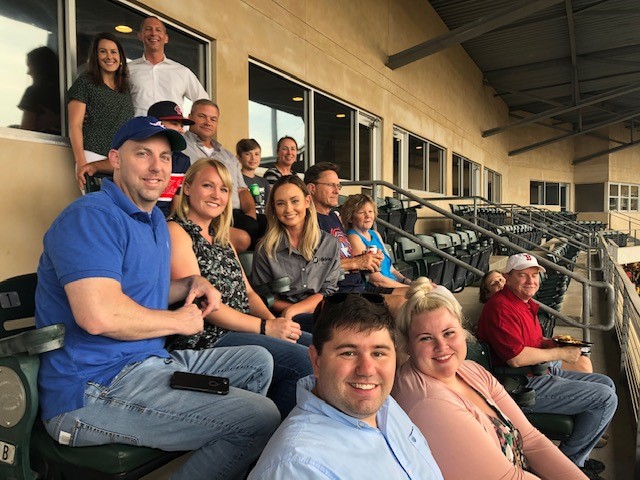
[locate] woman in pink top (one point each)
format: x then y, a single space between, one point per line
474 428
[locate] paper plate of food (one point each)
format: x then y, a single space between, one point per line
569 341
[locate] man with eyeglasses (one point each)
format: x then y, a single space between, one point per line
345 424
324 186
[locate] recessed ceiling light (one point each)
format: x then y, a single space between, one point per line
297 99
123 29
340 115
418 147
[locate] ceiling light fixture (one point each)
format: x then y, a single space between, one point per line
123 29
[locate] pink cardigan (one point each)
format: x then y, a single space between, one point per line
463 439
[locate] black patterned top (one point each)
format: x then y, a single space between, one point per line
219 265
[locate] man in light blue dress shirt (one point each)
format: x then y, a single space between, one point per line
345 425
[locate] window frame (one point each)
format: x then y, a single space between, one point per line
496 185
543 186
359 117
459 162
401 168
623 201
67 57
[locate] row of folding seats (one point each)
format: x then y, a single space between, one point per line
619 238
496 216
465 245
520 234
393 211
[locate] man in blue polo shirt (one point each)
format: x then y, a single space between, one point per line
104 273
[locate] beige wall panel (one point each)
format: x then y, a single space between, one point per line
38 182
623 165
595 170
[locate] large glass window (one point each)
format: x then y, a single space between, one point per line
624 197
30 77
326 129
366 150
548 193
34 56
492 185
422 160
276 109
333 123
416 163
466 177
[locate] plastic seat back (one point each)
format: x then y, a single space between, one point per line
22 434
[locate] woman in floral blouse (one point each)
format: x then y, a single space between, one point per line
200 246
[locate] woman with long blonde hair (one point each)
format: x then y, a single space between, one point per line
295 247
200 246
473 426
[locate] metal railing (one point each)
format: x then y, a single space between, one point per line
626 308
587 283
633 223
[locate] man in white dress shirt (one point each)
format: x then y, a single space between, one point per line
154 77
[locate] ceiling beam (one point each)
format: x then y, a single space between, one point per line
599 136
562 110
600 56
591 156
572 49
597 126
466 32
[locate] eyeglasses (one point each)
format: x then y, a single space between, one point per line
337 186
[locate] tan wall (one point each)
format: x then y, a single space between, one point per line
623 165
595 170
339 47
37 183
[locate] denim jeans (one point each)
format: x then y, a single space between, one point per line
590 397
227 432
291 362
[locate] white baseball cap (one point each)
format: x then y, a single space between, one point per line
521 261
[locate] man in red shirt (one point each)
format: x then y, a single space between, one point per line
509 324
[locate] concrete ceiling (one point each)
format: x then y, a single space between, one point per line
570 64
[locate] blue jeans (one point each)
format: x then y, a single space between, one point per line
291 362
590 397
227 432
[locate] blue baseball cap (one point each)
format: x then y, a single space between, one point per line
141 128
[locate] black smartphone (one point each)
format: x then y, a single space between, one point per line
199 383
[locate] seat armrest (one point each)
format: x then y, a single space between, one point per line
280 285
535 370
33 342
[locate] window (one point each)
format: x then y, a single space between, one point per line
623 197
492 185
326 129
549 193
95 16
466 177
333 133
276 109
34 55
418 164
30 57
